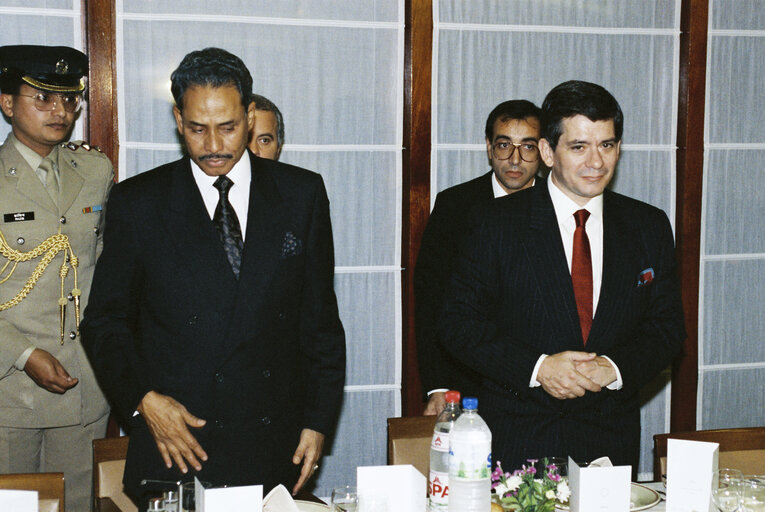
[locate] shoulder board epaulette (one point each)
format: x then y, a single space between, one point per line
73 146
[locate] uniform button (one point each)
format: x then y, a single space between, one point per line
70 297
218 377
96 231
72 335
62 220
12 171
193 319
20 240
265 420
219 423
266 374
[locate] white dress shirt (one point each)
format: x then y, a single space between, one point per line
564 212
238 194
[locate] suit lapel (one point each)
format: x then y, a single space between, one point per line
71 182
620 247
28 184
548 263
194 236
267 223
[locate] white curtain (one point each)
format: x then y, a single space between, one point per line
489 51
41 22
335 70
732 288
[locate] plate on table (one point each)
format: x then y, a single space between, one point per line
641 498
310 506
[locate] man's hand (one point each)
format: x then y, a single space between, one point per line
436 404
168 422
559 376
599 370
48 373
309 451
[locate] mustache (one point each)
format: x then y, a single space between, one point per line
216 156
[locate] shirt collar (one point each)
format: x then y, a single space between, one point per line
28 154
240 174
497 188
565 206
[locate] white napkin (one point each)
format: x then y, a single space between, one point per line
279 500
18 501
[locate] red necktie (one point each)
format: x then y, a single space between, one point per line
581 273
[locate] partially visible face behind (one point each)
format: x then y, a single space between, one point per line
583 163
38 130
215 127
264 142
514 174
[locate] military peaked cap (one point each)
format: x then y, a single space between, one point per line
49 68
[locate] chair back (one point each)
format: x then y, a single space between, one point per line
740 448
409 441
108 467
49 486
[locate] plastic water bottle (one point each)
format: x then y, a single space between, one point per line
438 483
470 461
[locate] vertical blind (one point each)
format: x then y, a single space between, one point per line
335 70
732 273
489 51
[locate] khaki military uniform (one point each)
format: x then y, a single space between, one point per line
30 216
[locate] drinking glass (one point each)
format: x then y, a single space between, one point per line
345 499
753 494
726 489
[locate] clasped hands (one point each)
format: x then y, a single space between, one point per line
169 421
570 374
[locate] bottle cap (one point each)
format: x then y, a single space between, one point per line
452 397
470 403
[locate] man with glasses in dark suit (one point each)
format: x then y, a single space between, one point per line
512 139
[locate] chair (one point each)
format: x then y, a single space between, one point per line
49 486
108 467
409 441
740 448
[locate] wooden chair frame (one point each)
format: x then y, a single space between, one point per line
49 486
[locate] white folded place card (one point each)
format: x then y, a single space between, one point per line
390 489
600 488
18 501
691 466
279 500
226 499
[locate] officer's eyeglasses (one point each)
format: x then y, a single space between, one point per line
503 150
47 101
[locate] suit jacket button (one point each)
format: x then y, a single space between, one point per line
62 220
282 316
265 420
219 377
20 240
72 335
266 374
219 423
193 319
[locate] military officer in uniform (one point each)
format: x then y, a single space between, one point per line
52 196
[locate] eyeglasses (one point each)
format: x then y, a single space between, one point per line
504 150
47 101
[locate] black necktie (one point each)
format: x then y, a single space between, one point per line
227 225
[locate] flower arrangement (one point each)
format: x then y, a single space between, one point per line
524 491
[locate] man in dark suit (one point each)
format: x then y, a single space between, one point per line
213 323
565 297
512 139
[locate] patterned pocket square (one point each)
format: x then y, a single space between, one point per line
291 246
645 277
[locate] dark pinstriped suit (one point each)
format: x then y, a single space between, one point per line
511 300
446 227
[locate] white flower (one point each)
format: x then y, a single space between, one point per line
550 494
501 489
539 481
563 492
514 482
